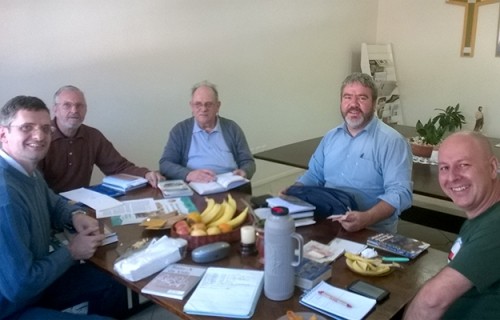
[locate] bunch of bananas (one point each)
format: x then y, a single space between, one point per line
368 267
216 214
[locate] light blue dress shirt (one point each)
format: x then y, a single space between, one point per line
210 151
374 165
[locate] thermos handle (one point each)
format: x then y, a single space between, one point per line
299 249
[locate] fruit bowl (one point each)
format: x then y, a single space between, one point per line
197 241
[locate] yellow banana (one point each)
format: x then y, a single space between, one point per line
366 266
208 208
231 201
220 213
227 215
209 216
239 219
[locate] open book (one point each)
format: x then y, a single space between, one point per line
226 292
224 182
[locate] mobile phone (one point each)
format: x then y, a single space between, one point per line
368 290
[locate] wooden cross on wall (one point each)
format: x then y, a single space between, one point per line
470 23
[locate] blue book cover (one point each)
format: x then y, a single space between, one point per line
309 273
101 188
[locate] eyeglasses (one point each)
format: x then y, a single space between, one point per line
28 128
207 105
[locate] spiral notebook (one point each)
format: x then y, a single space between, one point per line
337 303
226 292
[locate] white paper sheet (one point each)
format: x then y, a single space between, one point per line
95 200
127 208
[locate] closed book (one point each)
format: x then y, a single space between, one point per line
309 273
175 281
398 244
102 188
174 188
124 182
293 204
222 183
110 235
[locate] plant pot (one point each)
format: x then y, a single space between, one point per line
421 150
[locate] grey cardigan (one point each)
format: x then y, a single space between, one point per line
175 155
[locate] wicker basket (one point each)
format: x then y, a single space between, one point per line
195 242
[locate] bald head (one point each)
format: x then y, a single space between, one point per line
471 138
468 172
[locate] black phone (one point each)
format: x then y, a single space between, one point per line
368 290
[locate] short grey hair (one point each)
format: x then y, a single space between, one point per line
65 88
207 84
362 78
10 109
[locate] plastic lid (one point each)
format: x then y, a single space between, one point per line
279 211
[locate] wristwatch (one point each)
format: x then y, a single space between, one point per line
78 212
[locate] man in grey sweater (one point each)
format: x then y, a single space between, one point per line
206 144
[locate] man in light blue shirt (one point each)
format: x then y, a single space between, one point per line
206 144
366 158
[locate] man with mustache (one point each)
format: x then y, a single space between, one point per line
76 148
365 158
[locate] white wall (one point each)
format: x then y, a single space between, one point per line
278 64
426 37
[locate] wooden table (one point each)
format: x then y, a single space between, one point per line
402 284
424 176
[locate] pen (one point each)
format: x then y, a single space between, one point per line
395 259
334 299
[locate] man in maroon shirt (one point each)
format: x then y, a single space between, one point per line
75 148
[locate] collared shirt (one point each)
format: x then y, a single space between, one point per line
69 163
209 150
374 165
13 162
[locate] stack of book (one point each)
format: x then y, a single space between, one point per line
174 189
300 210
124 182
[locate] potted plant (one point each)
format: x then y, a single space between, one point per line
432 133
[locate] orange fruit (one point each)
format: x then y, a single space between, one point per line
193 217
225 227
